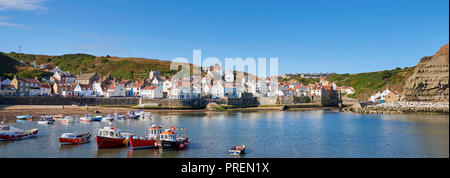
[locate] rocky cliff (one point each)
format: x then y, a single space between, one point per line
430 79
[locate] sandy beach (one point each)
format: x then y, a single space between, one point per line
11 111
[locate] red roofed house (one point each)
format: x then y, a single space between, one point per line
152 92
116 90
26 86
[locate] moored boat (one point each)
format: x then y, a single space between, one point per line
72 138
150 141
237 150
25 117
68 119
170 141
43 116
110 137
108 118
145 115
11 133
97 119
132 115
57 116
45 121
86 118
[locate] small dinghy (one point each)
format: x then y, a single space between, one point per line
57 116
46 121
72 138
68 119
237 150
25 117
43 116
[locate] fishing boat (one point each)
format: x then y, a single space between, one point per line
57 116
237 150
68 119
108 118
72 138
170 141
132 115
97 119
45 121
11 133
150 141
110 137
146 115
86 118
25 117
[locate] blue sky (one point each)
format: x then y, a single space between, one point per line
307 36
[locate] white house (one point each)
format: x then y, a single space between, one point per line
98 89
217 91
83 90
152 92
174 93
167 85
116 90
379 96
206 89
155 81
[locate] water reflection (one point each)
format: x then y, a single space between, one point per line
291 134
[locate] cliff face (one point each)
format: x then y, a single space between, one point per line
430 79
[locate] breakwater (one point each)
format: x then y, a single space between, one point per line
405 107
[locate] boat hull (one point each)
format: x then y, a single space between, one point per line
23 135
72 141
106 142
169 145
142 144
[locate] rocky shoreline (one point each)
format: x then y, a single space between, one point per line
401 108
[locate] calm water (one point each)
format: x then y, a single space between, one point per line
293 134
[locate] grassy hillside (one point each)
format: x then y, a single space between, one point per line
121 68
304 81
368 83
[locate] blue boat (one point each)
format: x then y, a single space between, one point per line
24 117
120 117
97 119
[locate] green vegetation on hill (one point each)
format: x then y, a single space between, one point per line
8 65
367 84
120 68
304 81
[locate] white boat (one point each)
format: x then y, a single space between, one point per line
68 119
45 121
86 118
108 118
146 115
237 150
43 116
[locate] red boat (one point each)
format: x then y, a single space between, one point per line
110 137
11 133
71 138
146 142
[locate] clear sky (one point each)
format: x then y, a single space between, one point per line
307 36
